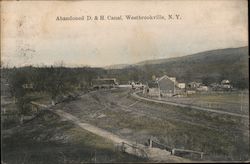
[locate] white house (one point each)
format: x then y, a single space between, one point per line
225 84
181 85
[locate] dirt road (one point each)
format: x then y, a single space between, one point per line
153 154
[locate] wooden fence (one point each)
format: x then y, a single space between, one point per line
175 151
159 145
132 149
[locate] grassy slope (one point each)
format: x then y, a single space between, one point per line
221 137
48 139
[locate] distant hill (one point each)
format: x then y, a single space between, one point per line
117 66
212 55
207 67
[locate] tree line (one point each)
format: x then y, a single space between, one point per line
52 80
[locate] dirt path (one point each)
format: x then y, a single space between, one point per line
153 154
116 116
189 106
90 127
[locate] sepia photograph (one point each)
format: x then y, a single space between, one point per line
124 81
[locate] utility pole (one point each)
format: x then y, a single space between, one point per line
150 142
95 156
174 87
241 101
159 90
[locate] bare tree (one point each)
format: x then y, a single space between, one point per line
57 81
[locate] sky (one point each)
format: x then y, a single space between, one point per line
31 35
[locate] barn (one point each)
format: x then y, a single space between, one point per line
165 86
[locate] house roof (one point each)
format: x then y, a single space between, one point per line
169 78
194 82
225 81
163 77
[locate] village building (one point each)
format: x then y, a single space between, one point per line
181 85
202 88
104 83
152 89
172 78
214 85
189 92
136 85
165 87
194 85
225 84
28 86
5 87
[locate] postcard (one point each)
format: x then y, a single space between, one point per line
124 81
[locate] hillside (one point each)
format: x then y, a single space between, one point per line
207 67
117 66
215 54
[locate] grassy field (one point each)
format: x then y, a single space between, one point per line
224 97
236 101
49 139
221 137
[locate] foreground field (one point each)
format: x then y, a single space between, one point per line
221 137
49 139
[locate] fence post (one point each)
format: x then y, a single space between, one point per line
123 147
173 151
201 155
134 147
150 142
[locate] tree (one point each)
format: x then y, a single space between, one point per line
58 82
17 79
24 106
